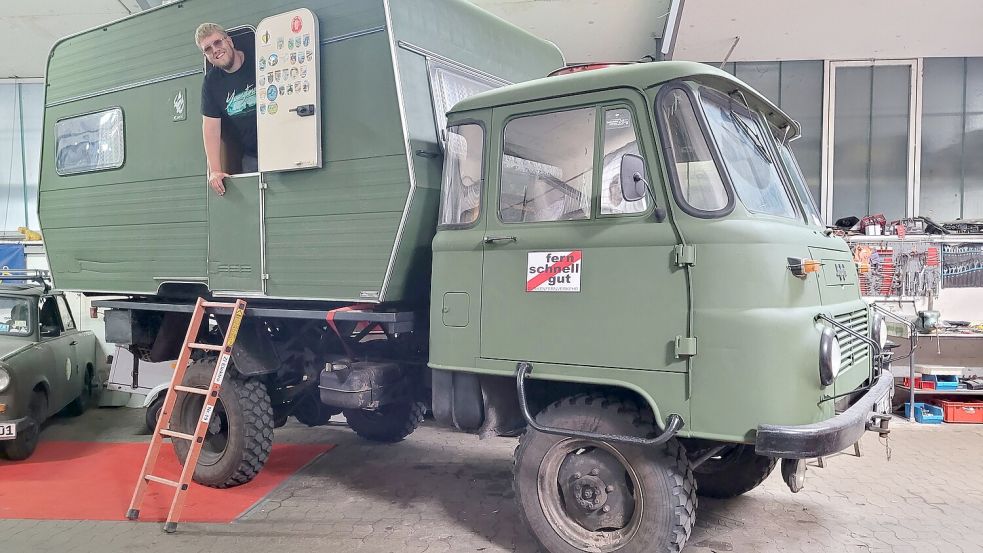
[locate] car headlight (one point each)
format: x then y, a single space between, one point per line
879 333
830 357
4 379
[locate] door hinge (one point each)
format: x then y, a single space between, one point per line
685 347
685 255
263 185
265 276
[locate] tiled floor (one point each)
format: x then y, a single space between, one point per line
441 491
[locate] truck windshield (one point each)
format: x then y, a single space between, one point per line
745 156
15 316
799 183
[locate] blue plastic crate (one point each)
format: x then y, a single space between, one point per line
942 381
924 413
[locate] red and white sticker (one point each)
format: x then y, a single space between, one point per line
554 271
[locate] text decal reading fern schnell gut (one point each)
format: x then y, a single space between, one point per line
554 271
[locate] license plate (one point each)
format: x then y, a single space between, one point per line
8 431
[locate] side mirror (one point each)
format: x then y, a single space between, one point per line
50 331
633 185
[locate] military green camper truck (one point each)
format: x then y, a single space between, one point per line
623 265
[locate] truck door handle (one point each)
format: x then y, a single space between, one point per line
73 342
305 110
497 239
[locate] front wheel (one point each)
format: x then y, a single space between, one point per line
390 423
240 432
579 495
26 442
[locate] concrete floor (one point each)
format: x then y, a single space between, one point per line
441 491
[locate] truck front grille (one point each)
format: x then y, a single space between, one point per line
854 349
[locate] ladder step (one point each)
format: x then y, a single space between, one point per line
159 480
191 390
173 434
209 347
218 304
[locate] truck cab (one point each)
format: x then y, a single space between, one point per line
640 240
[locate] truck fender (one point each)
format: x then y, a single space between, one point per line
154 392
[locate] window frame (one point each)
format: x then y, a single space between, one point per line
433 66
63 310
669 156
602 116
122 162
484 172
595 107
765 132
42 301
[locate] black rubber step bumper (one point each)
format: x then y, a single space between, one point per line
826 437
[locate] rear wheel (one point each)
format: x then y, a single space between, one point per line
240 432
580 495
81 403
310 411
153 411
735 470
27 441
389 423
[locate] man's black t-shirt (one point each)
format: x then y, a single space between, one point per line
232 97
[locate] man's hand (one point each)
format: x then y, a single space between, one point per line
215 181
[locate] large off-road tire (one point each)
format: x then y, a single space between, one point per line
389 423
310 411
240 434
81 403
563 484
735 470
152 413
27 441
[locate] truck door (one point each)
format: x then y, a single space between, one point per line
235 242
572 272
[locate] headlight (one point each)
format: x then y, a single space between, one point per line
879 333
4 379
830 357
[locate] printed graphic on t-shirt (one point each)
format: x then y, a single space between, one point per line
239 103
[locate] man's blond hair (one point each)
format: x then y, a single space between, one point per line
206 29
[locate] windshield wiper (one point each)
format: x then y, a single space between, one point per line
755 139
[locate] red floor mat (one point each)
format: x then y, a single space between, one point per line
95 481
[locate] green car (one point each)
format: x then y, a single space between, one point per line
46 364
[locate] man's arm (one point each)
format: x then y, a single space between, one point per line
211 130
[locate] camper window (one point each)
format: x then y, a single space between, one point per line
91 142
232 147
449 85
460 196
548 167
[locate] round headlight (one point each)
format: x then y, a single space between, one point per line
882 333
4 379
830 357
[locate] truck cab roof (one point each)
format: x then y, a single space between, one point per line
641 76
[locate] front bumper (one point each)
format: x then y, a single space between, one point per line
22 425
829 436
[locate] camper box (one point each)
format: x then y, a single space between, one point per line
344 205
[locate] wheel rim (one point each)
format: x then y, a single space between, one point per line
217 435
577 479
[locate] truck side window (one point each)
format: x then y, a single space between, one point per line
48 313
696 176
460 195
619 139
66 314
548 167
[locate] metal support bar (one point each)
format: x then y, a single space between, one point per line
874 358
913 341
673 424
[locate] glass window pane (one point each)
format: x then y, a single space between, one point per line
851 146
460 195
744 150
889 140
450 85
619 139
802 99
973 161
697 176
15 316
66 314
942 138
90 142
548 167
765 77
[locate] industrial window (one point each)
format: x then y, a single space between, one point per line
697 179
548 167
449 85
92 142
619 139
460 196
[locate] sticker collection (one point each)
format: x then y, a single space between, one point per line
284 72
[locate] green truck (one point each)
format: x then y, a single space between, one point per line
623 265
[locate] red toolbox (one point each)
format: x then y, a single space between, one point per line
962 411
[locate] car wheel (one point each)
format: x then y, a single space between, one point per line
153 411
27 441
735 470
81 403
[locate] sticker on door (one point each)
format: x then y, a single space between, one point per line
554 271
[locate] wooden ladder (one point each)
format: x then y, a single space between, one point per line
163 430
